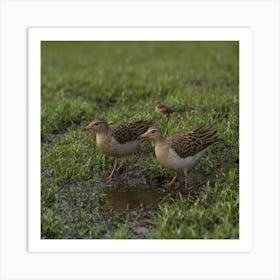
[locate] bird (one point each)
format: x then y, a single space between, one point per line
163 109
181 152
118 140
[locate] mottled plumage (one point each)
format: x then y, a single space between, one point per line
182 151
191 142
126 132
118 140
162 109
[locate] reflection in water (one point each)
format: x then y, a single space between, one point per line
132 197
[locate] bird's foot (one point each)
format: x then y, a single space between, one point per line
109 178
124 177
167 186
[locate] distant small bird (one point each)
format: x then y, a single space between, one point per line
182 151
163 109
118 140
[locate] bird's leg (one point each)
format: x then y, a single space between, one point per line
113 170
186 178
125 176
168 185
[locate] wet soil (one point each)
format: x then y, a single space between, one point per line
128 197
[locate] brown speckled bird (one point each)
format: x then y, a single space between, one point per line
163 109
118 140
182 151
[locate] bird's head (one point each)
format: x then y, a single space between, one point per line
97 125
152 133
157 102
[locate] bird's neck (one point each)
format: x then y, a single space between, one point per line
160 140
105 130
103 134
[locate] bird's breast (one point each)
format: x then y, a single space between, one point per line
171 160
162 155
187 162
104 144
111 147
124 148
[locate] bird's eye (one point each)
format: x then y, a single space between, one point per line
97 124
153 131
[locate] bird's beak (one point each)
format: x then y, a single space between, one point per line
144 136
89 127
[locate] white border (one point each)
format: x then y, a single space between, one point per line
263 16
244 243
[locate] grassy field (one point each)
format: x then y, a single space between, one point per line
120 81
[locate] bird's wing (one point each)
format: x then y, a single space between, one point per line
191 142
127 132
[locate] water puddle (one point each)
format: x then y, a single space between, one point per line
132 197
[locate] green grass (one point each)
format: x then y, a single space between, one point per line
120 81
